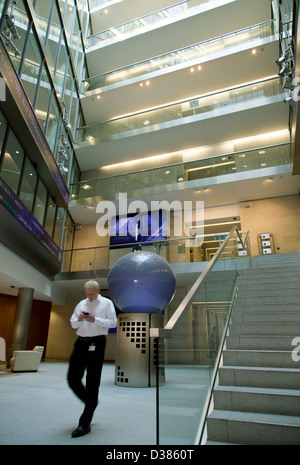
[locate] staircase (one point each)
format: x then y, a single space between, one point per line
257 399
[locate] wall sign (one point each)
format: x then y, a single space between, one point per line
17 209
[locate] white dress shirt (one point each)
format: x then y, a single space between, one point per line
105 317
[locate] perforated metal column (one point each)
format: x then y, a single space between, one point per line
136 357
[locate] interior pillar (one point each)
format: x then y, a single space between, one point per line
22 320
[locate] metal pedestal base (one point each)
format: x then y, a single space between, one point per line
136 355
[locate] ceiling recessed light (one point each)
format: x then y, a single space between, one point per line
86 187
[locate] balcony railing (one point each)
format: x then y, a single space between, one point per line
185 57
196 249
186 111
156 19
145 180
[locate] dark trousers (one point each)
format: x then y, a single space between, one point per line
90 361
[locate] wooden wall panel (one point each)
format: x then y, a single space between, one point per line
39 322
39 325
7 315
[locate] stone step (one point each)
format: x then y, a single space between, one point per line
282 260
271 307
260 358
266 377
255 399
264 328
263 342
268 298
253 428
265 286
265 317
283 268
269 278
269 275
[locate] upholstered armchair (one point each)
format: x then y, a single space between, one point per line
2 353
26 360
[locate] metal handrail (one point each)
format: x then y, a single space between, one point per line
154 242
166 332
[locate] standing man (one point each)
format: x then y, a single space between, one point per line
92 318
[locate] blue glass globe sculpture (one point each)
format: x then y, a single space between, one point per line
141 282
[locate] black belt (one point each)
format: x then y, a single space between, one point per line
92 338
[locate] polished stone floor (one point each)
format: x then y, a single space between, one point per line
40 409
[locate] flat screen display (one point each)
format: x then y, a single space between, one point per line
140 227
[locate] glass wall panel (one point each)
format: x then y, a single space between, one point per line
3 129
42 99
31 68
83 11
1 5
75 41
54 36
21 22
50 216
69 17
75 172
61 67
43 11
74 104
59 220
12 163
53 123
28 185
68 89
40 202
67 242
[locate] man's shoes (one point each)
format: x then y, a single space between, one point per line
81 431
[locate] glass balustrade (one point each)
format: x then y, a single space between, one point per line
185 111
155 19
182 58
235 163
189 347
99 4
175 251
